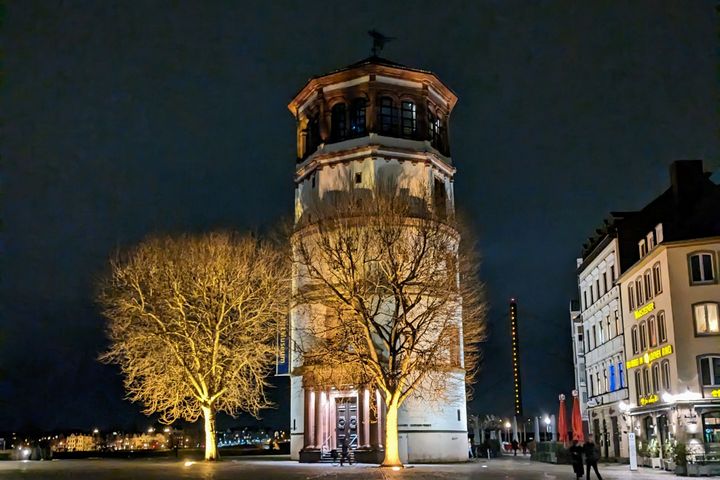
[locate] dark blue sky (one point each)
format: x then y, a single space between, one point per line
123 119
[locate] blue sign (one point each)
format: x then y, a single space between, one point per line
282 345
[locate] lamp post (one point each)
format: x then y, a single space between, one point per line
547 427
507 431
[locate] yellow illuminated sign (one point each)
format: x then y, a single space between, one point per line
650 356
644 310
715 393
648 400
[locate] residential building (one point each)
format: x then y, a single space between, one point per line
669 298
604 353
577 333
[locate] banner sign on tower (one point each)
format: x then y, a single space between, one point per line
282 355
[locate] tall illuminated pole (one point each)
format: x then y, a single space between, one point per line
516 358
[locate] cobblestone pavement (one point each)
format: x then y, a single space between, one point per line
507 468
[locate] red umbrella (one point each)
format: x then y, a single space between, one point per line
562 421
577 427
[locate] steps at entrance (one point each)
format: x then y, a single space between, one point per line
326 456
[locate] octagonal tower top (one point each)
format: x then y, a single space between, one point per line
373 97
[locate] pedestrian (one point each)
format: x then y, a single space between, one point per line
591 457
576 453
471 454
344 453
334 455
523 445
515 447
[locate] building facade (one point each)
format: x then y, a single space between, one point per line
577 334
603 344
369 125
673 329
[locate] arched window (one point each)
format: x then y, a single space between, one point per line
643 337
638 387
634 339
639 292
357 117
388 116
631 296
657 279
313 135
656 377
409 119
666 375
648 285
652 332
662 328
646 381
338 127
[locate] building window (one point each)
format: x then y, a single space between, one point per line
643 337
656 377
609 330
358 178
612 273
659 233
621 374
590 383
434 129
357 117
338 124
710 371
650 241
631 296
639 292
642 248
595 336
613 385
666 375
601 333
587 340
388 116
585 302
606 382
646 381
597 287
634 338
657 280
409 119
592 295
618 328
604 282
662 328
701 268
652 332
706 318
638 387
648 285
599 385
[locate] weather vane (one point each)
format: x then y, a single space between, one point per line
379 41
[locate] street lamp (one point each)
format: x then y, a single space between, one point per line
507 431
547 425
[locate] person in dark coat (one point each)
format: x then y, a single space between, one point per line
576 453
591 457
344 453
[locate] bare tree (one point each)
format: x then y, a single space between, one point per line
192 324
379 302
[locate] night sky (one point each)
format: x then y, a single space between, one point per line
123 119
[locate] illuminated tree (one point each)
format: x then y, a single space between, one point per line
382 299
192 324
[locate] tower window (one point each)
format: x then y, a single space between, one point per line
388 116
357 117
409 119
358 178
338 129
434 129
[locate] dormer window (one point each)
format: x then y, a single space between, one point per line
650 241
642 247
659 233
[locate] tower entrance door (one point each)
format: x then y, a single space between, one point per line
346 422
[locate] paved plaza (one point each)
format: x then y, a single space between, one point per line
507 468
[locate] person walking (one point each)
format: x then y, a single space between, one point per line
591 457
515 447
576 453
344 453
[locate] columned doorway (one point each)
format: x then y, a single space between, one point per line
346 422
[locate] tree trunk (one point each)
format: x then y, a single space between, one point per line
211 451
392 453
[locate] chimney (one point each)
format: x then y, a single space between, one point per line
687 179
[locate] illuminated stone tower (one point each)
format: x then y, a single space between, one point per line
357 127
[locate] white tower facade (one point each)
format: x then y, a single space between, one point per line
357 127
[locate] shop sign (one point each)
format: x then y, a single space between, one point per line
644 310
648 400
650 356
715 393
